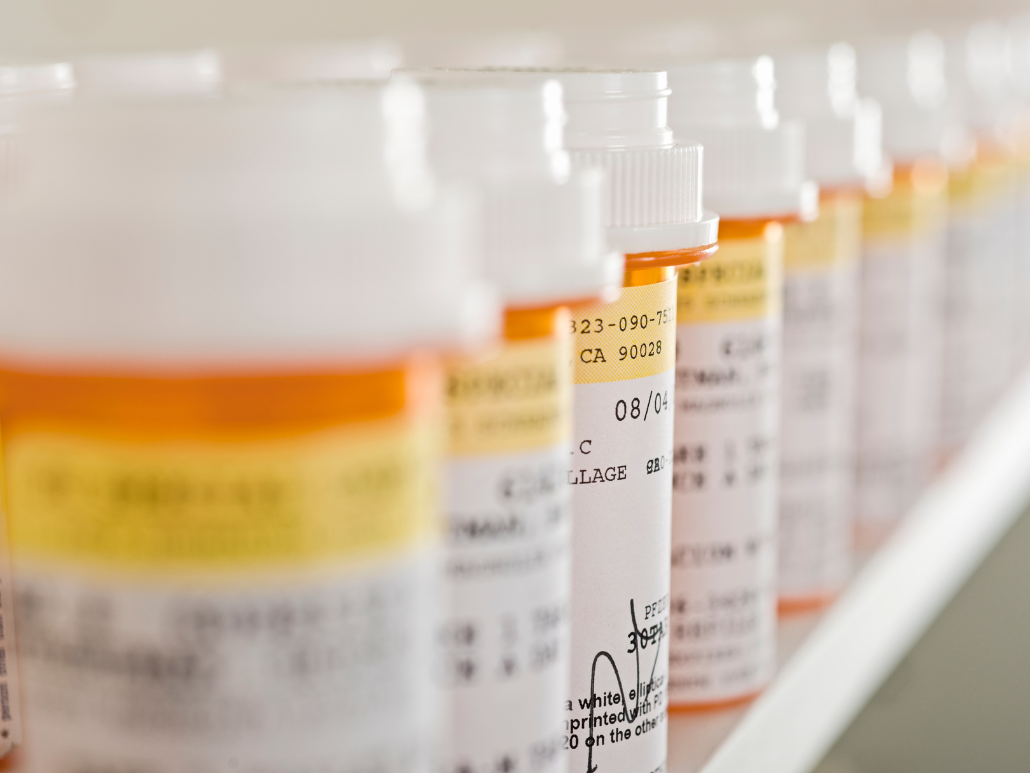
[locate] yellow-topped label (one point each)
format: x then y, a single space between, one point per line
215 505
632 338
904 212
516 400
832 239
741 281
981 185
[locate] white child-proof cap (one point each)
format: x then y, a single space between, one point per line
268 231
149 74
843 133
906 77
754 162
618 122
544 225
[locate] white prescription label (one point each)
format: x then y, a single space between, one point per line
621 476
981 346
505 668
208 604
899 356
10 690
722 644
820 297
289 677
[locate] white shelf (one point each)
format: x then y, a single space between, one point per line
832 664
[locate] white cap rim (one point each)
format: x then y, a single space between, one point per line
573 285
802 201
634 240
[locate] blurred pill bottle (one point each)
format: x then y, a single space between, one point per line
620 470
506 498
221 415
21 88
722 645
981 298
1018 135
898 323
820 326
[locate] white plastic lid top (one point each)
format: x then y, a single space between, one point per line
268 231
372 59
149 74
980 85
906 76
618 120
31 82
17 80
486 122
844 133
754 162
544 235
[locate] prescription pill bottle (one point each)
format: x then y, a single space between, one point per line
980 240
21 87
908 219
820 356
722 645
221 429
980 299
900 339
820 326
903 247
620 468
506 499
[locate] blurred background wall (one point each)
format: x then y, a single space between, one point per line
30 28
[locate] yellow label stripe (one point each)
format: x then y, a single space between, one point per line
632 338
829 241
741 281
210 505
903 213
518 399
